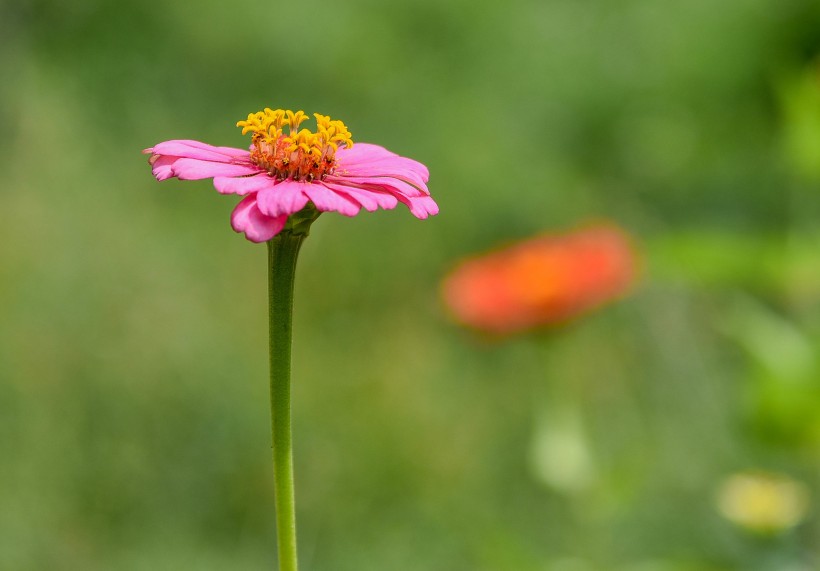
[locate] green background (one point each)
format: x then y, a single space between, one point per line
133 394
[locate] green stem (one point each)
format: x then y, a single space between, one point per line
283 250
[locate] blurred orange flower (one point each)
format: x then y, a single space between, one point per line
542 280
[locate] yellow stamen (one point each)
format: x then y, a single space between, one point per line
300 154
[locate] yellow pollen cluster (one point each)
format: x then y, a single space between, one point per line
299 154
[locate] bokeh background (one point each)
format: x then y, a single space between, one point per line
133 395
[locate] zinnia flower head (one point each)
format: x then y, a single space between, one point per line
289 171
544 280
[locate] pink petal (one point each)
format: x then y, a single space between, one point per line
369 199
420 207
362 153
384 183
327 200
398 167
183 168
244 184
285 197
257 227
195 150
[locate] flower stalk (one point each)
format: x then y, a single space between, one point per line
283 250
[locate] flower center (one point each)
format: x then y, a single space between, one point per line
300 154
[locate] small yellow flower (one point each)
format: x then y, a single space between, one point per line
763 502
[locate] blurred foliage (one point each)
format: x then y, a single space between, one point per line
133 420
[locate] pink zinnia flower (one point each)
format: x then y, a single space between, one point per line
283 172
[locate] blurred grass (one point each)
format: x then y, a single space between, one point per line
133 421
